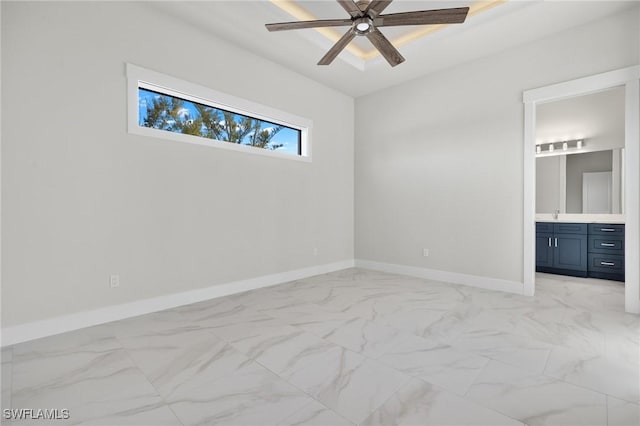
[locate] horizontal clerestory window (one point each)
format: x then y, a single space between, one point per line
178 110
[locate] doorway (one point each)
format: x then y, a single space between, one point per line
629 78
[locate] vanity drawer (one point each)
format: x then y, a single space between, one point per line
570 228
606 229
546 227
608 263
606 244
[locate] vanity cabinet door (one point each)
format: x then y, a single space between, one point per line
570 252
564 252
544 250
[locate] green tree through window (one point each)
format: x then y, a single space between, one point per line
173 114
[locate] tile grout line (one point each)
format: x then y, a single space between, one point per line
301 390
162 398
590 389
546 361
308 404
477 375
252 359
365 357
409 378
587 388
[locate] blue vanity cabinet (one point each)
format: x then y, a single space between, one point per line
544 245
570 253
611 230
606 251
544 227
593 250
561 248
570 228
544 250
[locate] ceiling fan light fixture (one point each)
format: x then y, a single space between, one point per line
365 19
363 26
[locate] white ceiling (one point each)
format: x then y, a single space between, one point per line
510 24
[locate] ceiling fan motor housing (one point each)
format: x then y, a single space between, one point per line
363 26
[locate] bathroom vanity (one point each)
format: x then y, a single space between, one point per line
593 250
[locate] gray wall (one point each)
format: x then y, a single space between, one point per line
548 184
583 163
439 160
82 199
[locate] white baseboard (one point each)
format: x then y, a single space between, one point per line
49 327
444 276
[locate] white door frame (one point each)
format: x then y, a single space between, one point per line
630 78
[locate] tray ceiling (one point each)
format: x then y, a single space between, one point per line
492 26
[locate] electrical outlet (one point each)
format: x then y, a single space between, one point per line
114 281
425 252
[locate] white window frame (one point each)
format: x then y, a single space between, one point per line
138 77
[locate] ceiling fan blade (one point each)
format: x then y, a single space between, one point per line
338 47
351 8
376 7
385 47
282 26
424 17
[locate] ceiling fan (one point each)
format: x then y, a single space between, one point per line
365 20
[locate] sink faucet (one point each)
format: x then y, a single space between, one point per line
555 214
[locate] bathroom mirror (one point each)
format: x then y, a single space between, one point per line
580 154
589 183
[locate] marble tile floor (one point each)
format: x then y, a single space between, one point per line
354 347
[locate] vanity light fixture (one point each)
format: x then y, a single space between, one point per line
553 148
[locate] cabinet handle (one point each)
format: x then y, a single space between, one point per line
608 263
549 241
556 242
607 230
607 245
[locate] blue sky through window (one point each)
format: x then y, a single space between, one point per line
288 137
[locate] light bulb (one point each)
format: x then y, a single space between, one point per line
538 149
565 146
551 147
579 144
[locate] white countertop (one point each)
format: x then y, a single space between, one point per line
581 218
